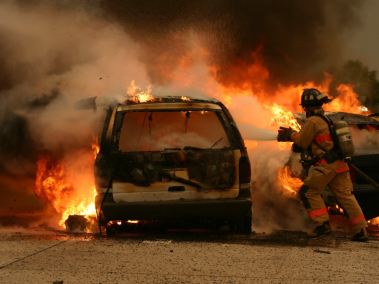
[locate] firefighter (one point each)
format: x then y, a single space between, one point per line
329 170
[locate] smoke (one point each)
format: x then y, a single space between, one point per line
366 140
50 57
243 41
53 53
273 207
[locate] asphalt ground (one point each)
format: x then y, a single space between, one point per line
151 254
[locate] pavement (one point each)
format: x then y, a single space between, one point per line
185 256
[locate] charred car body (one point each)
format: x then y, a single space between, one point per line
172 159
365 158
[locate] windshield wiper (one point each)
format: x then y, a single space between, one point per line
217 142
181 180
192 148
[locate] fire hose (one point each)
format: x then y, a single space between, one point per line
356 170
363 175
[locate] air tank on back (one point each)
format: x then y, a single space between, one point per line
344 138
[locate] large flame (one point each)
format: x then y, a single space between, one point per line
69 192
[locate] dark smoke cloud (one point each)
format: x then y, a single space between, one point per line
51 54
297 40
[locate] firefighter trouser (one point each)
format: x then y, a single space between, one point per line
340 184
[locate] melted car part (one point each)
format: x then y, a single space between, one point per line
76 223
176 188
206 168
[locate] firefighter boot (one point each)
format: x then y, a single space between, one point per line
320 230
361 236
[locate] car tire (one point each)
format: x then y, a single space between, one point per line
241 225
103 225
110 231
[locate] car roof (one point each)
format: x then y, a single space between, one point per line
153 102
169 106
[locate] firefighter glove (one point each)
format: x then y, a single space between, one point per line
284 134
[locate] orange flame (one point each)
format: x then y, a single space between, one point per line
95 148
374 221
138 95
280 116
70 194
347 101
289 183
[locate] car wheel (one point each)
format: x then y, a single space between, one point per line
110 231
103 225
241 225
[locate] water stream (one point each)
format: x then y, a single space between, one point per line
250 132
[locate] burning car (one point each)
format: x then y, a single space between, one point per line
365 135
171 158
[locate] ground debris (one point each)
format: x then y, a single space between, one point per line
322 251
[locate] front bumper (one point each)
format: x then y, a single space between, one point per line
160 210
368 199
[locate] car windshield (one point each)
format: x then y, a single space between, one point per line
165 130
